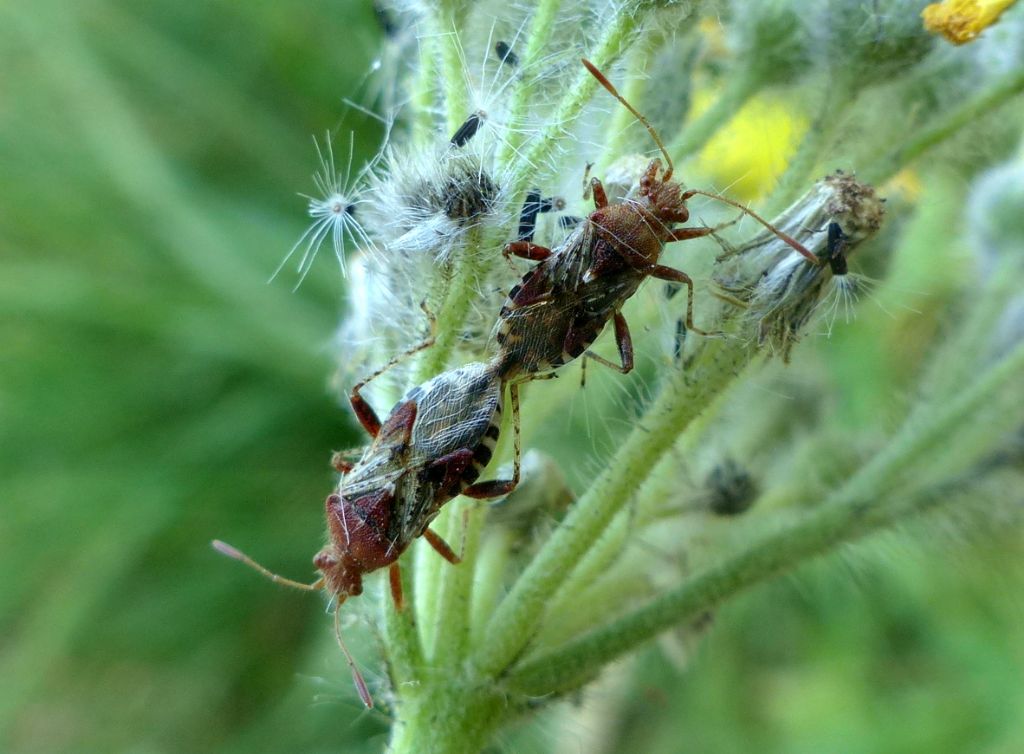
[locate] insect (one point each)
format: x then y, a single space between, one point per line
731 489
505 54
468 129
836 248
432 446
534 205
561 305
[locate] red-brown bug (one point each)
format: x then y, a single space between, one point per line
431 447
561 305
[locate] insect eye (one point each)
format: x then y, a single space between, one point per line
324 561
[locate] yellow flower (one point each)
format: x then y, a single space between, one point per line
961 21
750 153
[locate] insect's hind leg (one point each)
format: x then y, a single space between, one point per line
364 411
625 345
499 487
678 276
441 547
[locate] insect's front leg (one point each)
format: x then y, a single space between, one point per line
364 411
340 462
527 250
499 487
600 196
678 276
685 234
453 466
395 579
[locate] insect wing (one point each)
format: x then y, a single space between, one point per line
455 411
456 408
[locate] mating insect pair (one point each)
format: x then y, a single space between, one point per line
437 439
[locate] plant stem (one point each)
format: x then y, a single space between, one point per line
423 94
445 716
616 38
850 513
451 320
451 638
949 124
405 655
681 399
836 102
490 571
541 26
456 94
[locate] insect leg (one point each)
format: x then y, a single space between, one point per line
677 276
339 463
625 344
395 578
527 250
364 411
442 548
453 465
499 487
685 234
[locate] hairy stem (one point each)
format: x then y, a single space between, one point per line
445 716
680 400
541 26
456 94
451 638
947 125
616 38
859 507
817 139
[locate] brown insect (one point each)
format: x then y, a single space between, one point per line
431 447
561 305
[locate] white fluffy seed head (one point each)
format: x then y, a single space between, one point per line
335 210
782 292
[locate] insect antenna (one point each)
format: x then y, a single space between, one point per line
602 79
799 247
357 677
225 549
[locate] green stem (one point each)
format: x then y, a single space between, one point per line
537 38
617 37
405 655
451 319
683 397
423 95
738 89
451 637
837 100
446 716
946 126
618 142
850 513
447 22
490 571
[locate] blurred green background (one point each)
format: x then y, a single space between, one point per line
156 392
